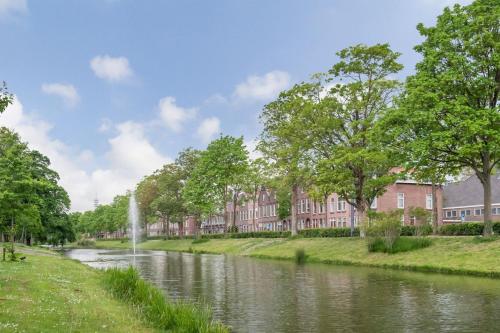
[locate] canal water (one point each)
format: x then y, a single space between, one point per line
253 295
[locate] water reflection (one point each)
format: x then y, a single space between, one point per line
274 296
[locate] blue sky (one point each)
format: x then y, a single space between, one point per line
112 89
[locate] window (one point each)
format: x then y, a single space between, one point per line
374 204
308 205
341 205
428 201
332 205
314 207
454 213
495 211
477 212
467 212
448 213
332 223
401 200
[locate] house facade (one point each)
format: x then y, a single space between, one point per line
463 200
333 212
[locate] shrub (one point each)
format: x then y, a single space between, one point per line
232 229
300 256
402 244
385 226
462 229
154 307
329 232
86 243
411 230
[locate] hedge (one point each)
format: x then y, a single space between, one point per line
458 229
411 230
329 232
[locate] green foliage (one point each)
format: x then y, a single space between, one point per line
6 98
448 117
462 229
403 244
300 256
156 310
31 200
328 232
232 229
411 230
385 226
218 176
86 243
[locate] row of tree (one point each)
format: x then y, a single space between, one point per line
355 129
33 206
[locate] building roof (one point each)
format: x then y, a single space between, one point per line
469 192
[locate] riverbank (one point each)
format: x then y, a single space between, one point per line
47 292
452 255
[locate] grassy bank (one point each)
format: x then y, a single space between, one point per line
49 293
455 255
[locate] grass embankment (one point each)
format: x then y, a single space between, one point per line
455 255
50 293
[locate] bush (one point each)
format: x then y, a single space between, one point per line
232 229
86 243
300 256
402 244
154 307
385 226
462 229
329 232
411 230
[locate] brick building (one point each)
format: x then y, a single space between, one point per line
463 200
335 212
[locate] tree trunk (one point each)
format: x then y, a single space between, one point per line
181 227
435 216
168 227
225 211
253 213
362 221
488 227
12 249
235 200
294 210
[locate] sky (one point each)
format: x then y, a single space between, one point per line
110 90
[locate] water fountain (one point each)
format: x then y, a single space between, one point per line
133 218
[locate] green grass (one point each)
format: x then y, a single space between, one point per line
152 305
403 244
455 255
48 293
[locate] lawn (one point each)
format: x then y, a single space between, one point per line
459 255
48 293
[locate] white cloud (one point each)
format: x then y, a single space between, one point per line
251 146
174 116
130 156
263 87
66 91
113 69
106 125
208 128
13 7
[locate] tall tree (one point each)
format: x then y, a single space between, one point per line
6 98
146 192
219 171
283 142
451 103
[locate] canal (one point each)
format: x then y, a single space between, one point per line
253 295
